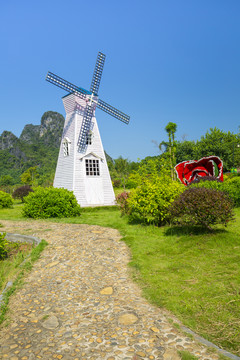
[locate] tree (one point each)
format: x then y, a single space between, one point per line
216 142
185 150
221 144
170 146
122 167
6 180
30 176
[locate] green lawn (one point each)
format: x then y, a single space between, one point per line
192 273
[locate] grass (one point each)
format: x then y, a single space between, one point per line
194 274
9 267
185 355
120 190
18 281
12 214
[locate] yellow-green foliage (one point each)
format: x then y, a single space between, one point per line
133 181
50 202
149 202
3 246
6 200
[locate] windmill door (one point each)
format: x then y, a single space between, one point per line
93 181
94 193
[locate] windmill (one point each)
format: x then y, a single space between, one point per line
82 166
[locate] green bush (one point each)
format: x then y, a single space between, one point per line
204 179
133 181
6 200
50 202
231 186
3 246
207 184
149 202
21 192
202 206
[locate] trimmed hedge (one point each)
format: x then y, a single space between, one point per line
50 202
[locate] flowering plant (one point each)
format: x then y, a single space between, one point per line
122 201
187 171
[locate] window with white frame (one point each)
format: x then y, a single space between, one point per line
66 147
92 167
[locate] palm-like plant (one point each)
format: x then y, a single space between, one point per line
171 128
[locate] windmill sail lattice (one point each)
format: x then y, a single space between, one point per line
97 73
113 111
84 170
85 128
65 85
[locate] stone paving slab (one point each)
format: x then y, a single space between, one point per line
79 303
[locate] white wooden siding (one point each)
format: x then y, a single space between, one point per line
71 172
64 174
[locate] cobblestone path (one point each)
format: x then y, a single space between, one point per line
79 302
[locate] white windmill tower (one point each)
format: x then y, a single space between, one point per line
82 166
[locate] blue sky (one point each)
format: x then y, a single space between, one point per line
166 60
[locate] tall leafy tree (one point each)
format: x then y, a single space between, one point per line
30 176
222 144
122 167
170 146
185 150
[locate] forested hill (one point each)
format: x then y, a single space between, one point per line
38 145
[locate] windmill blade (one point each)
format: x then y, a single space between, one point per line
85 128
97 73
63 84
113 111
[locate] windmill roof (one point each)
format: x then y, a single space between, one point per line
81 90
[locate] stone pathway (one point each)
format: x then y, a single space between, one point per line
79 302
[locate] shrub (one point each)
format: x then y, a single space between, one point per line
216 185
122 202
149 202
117 183
205 178
202 206
3 245
50 202
6 200
22 191
231 186
133 181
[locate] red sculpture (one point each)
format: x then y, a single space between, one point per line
187 171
